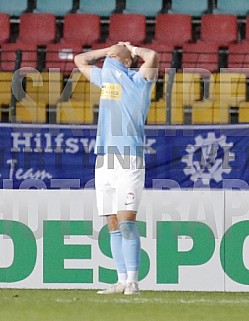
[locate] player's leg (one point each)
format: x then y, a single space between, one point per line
106 205
131 248
129 192
115 242
116 248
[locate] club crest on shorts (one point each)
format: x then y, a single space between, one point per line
130 197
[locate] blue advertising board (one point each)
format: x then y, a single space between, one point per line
52 156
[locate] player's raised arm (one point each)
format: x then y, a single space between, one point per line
149 68
87 60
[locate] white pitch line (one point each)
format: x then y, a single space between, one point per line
165 301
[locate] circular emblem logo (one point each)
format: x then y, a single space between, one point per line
208 159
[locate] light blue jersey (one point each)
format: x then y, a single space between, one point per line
124 104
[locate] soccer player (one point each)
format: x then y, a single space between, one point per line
119 170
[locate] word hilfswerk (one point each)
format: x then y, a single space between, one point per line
29 142
47 143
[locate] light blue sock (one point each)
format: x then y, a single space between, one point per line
116 248
130 245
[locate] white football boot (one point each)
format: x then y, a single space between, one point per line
114 289
131 288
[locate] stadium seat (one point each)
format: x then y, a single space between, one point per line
83 29
74 113
29 111
8 56
157 113
4 27
185 90
37 28
80 107
146 7
238 56
42 90
130 27
134 26
173 29
230 88
237 8
55 7
219 29
83 91
62 56
101 8
5 87
200 55
226 90
191 7
44 87
13 7
210 113
244 112
165 53
153 92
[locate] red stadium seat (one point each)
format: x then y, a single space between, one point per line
8 56
37 28
4 27
165 52
175 29
200 55
238 55
83 29
220 29
127 27
62 56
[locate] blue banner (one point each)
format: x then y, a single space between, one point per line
54 157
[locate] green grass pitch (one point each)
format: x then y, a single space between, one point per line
86 305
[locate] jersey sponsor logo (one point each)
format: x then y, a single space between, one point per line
111 91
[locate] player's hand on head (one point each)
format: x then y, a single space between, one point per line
128 45
110 52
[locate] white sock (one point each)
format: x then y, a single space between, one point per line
132 277
122 277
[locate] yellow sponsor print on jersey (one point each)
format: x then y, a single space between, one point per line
111 91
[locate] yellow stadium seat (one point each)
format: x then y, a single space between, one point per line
44 87
83 90
202 114
230 88
244 112
185 90
157 113
29 111
221 115
210 112
79 109
153 92
226 90
74 112
5 87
